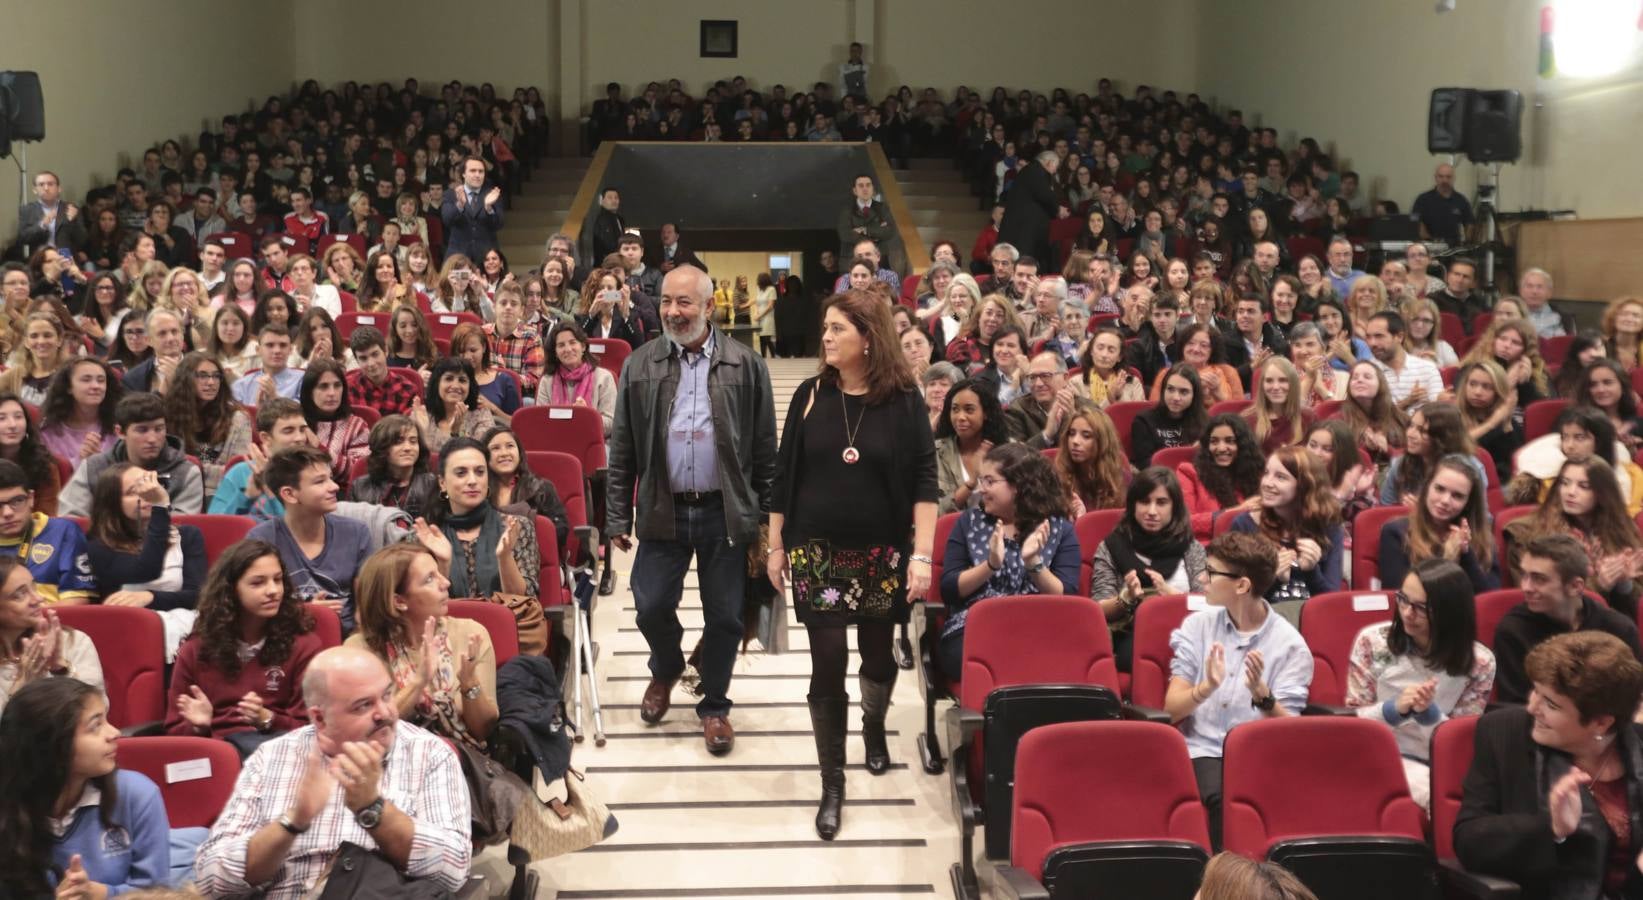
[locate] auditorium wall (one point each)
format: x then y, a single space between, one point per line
1358 76
510 43
126 79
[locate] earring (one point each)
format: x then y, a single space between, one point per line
1598 738
867 351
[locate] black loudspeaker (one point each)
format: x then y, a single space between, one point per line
1446 120
1494 126
25 107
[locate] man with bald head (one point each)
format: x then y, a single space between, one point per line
1443 212
695 430
356 774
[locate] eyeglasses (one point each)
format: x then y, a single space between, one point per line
207 375
1420 609
17 503
1042 376
1211 573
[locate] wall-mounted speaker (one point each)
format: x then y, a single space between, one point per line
1446 120
1494 126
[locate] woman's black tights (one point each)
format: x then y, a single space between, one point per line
830 655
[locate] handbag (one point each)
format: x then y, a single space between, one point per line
545 829
356 873
495 795
528 615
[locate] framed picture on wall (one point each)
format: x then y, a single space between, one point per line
719 38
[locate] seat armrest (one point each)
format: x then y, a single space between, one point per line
962 727
1458 880
1145 714
1013 883
587 538
144 729
1325 709
473 889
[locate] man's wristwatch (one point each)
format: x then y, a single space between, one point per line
370 815
290 826
1265 704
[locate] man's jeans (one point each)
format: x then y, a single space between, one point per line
659 570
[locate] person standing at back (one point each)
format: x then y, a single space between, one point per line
703 471
472 213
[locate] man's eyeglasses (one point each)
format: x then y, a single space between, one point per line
1211 573
1420 609
18 503
1042 376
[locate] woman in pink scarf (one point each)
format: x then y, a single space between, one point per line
572 379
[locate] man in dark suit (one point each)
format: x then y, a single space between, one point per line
1252 340
471 213
48 221
1029 207
672 252
607 226
869 218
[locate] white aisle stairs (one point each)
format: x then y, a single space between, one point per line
742 825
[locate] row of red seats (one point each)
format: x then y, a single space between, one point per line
1082 825
1049 659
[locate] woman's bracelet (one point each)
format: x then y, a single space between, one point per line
921 558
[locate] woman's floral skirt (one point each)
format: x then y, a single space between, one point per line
831 582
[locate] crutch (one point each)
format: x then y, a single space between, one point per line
582 654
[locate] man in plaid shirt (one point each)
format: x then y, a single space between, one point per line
357 774
514 344
374 384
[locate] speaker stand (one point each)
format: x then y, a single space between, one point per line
22 172
1484 213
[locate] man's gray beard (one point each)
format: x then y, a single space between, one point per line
698 330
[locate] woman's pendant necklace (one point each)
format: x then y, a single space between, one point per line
851 455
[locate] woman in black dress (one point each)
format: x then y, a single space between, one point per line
856 433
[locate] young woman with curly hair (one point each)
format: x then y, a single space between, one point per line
1225 476
77 419
1151 552
1300 514
241 670
20 442
1450 520
200 411
1090 461
396 472
1019 540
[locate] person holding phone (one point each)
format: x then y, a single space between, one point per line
607 308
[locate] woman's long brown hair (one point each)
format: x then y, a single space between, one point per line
887 373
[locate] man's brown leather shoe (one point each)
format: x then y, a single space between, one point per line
719 735
658 697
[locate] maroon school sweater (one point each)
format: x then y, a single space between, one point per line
279 686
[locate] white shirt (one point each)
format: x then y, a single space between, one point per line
1416 371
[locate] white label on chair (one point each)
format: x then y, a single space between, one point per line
596 348
1370 602
559 413
365 320
188 770
449 320
1197 602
